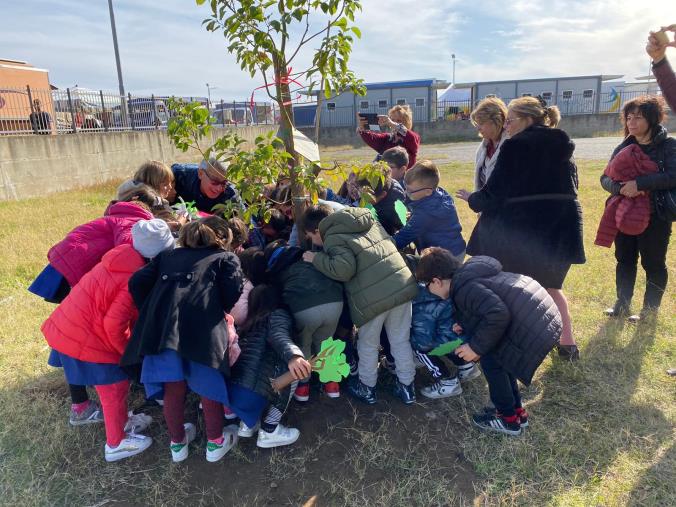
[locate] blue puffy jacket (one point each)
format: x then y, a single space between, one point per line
432 321
434 222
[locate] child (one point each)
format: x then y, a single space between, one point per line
386 194
240 234
181 336
267 352
379 287
90 329
513 324
314 300
156 175
252 261
434 219
434 323
397 159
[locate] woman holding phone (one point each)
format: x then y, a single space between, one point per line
399 121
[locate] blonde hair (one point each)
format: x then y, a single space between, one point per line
491 109
206 232
531 107
424 171
154 173
406 114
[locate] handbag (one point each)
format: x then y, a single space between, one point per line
664 200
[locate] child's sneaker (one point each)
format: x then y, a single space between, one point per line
499 423
216 450
281 436
302 392
361 391
245 431
405 393
443 388
179 451
90 415
332 389
520 411
468 372
137 422
131 445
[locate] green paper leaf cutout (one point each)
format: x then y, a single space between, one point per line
401 210
446 348
330 363
373 211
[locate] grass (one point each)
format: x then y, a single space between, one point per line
602 431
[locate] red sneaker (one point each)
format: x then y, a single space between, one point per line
332 389
302 392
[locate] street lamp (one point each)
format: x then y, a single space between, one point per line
209 88
117 51
453 57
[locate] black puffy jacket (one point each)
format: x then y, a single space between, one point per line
508 314
266 350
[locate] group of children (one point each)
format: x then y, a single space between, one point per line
220 308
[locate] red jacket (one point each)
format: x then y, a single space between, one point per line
629 215
94 322
381 141
84 246
666 79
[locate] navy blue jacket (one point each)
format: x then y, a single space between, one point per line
187 185
433 222
387 213
432 321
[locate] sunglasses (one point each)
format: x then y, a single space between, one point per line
215 182
411 192
508 121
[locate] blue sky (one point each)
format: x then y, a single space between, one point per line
165 50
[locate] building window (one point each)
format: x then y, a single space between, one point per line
363 104
331 106
382 104
401 102
587 94
567 94
526 94
419 102
490 96
547 96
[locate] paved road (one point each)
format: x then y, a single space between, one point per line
597 148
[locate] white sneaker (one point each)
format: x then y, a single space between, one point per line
137 422
217 451
443 388
179 451
467 374
131 445
245 432
281 436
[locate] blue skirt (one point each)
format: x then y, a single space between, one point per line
84 373
47 283
248 405
169 366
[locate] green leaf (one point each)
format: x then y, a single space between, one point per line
446 348
400 209
330 362
200 2
356 31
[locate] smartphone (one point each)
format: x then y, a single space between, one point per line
371 120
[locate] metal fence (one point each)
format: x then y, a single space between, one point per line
69 111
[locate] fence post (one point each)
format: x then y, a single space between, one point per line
234 112
152 97
131 113
30 101
103 113
72 112
222 114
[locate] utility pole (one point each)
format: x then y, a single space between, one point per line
209 88
117 51
453 57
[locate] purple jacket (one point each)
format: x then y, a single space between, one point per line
666 79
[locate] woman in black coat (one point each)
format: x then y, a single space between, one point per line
531 220
642 118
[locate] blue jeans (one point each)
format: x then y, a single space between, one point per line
501 385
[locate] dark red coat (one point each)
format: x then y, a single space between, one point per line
381 141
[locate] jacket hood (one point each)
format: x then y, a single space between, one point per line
128 210
552 140
480 266
425 296
122 259
282 258
661 135
347 221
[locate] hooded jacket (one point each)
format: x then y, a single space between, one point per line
84 246
433 222
385 208
506 314
94 322
359 253
432 321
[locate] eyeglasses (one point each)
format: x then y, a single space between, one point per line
216 183
411 192
508 121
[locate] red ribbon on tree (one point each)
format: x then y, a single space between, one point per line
282 80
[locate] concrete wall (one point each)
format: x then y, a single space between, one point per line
583 125
36 165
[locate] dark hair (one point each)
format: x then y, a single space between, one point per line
397 156
252 261
263 300
425 172
277 220
313 215
271 247
206 232
436 262
651 107
239 230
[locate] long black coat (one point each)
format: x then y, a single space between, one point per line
508 314
266 350
183 296
529 208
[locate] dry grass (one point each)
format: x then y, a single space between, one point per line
602 431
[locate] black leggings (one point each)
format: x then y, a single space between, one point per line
78 394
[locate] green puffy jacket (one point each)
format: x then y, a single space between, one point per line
358 252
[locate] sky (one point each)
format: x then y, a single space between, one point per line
165 50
